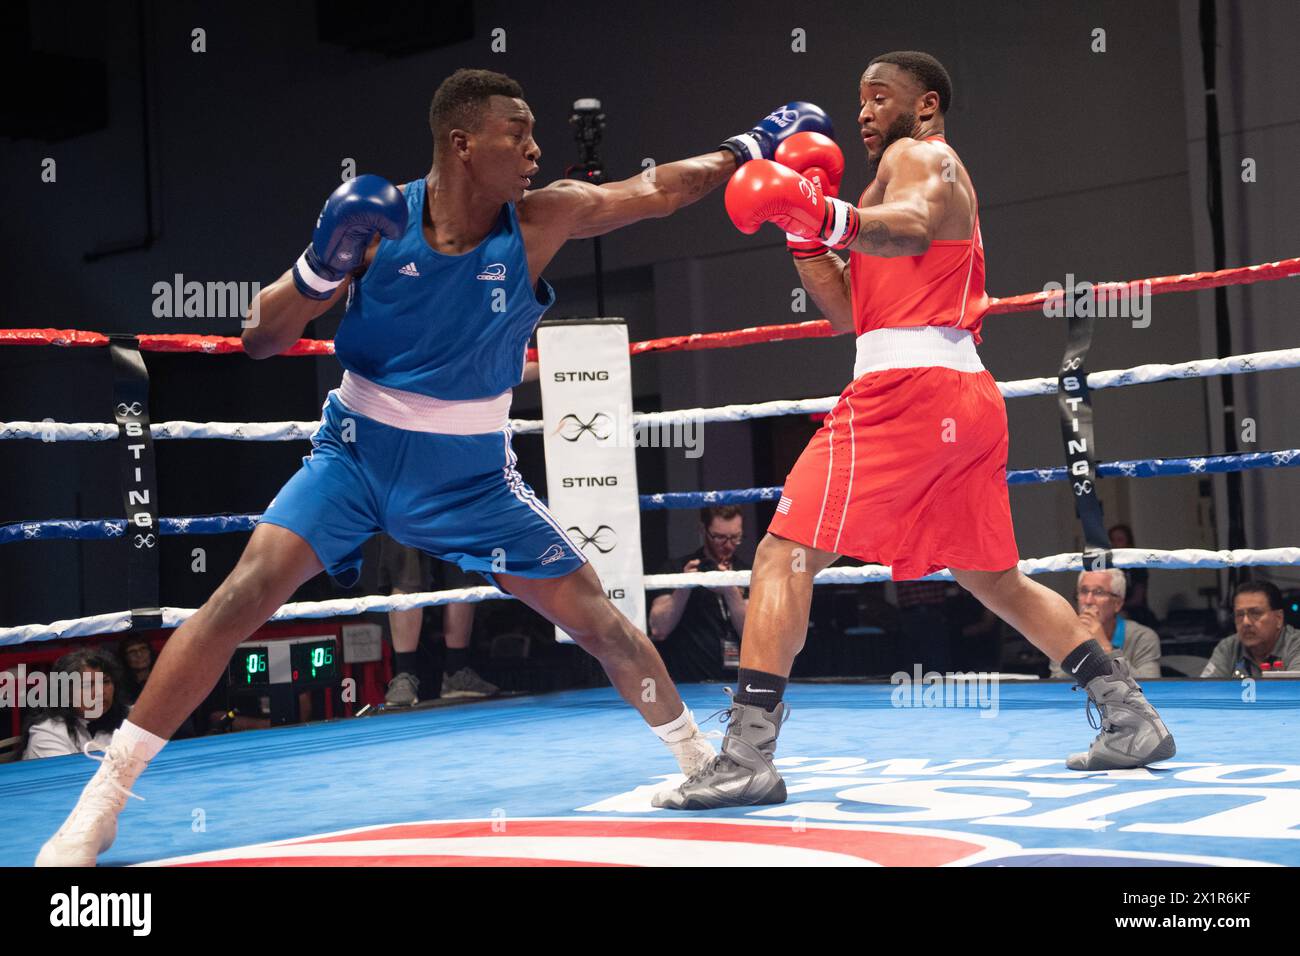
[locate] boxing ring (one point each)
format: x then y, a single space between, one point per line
875 777
566 777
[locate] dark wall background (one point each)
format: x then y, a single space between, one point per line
1086 163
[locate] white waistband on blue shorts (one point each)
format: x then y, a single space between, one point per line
922 346
423 413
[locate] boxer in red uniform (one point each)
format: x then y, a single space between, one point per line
909 469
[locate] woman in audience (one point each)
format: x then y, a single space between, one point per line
85 705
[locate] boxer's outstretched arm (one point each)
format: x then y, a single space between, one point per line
582 210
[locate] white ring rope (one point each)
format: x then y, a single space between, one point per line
1022 388
1144 374
1071 561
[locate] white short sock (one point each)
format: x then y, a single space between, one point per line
676 730
143 745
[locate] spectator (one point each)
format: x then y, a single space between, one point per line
1100 599
1135 597
89 716
699 629
405 570
137 653
1263 637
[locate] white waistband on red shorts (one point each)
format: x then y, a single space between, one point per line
921 346
423 413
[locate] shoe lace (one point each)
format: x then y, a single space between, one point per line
1094 719
91 745
1096 715
724 716
704 770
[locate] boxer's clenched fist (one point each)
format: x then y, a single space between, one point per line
352 215
762 141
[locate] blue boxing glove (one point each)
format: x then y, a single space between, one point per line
761 141
352 215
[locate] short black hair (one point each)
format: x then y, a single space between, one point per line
130 641
1128 533
1266 588
725 512
460 98
927 71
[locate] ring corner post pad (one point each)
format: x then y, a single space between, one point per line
137 479
1074 400
590 447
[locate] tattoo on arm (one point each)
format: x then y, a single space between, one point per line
594 211
695 178
695 184
876 236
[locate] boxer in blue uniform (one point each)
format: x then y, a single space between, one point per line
443 283
431 345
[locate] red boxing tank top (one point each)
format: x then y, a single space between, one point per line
943 287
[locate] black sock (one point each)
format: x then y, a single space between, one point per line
759 689
404 662
1085 662
457 657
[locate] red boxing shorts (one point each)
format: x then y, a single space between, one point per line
909 470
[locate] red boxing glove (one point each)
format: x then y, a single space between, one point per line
818 158
763 191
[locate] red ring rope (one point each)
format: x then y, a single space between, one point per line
816 328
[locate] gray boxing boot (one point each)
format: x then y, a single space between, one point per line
1131 732
743 774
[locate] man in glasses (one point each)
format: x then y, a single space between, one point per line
1263 641
1100 597
699 628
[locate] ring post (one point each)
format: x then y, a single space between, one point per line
590 446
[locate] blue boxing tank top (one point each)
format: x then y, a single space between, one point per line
451 327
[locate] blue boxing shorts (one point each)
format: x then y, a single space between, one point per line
456 497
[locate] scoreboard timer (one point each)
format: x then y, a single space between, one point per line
277 672
302 662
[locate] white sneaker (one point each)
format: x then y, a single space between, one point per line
92 826
693 753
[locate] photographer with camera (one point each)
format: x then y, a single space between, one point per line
698 629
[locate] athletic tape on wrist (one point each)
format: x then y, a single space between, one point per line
846 223
311 279
749 145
